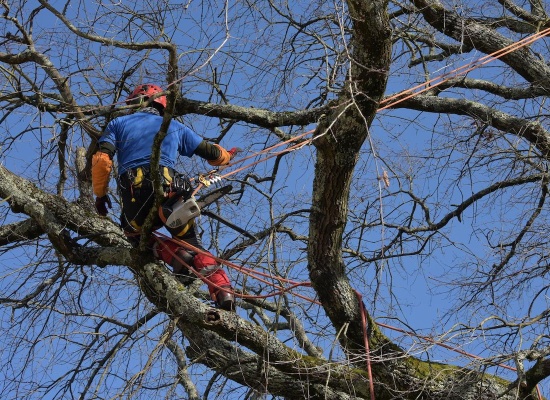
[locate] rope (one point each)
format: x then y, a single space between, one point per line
366 341
266 150
280 290
463 69
386 103
245 271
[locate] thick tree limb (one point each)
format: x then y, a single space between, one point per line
53 214
335 163
485 39
19 231
533 376
532 131
259 117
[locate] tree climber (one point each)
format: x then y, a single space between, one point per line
131 138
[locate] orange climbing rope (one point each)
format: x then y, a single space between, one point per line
438 80
280 290
386 103
364 325
159 237
292 284
295 146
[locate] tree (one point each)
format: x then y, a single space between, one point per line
378 192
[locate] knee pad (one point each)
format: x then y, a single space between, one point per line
205 264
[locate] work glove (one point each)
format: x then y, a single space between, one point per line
101 205
225 156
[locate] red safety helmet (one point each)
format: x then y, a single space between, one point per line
147 91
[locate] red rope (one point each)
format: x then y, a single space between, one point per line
280 290
385 104
266 150
246 271
388 103
366 340
462 70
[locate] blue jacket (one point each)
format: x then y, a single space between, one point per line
132 136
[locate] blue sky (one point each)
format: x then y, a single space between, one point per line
410 293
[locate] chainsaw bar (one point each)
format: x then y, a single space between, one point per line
214 195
